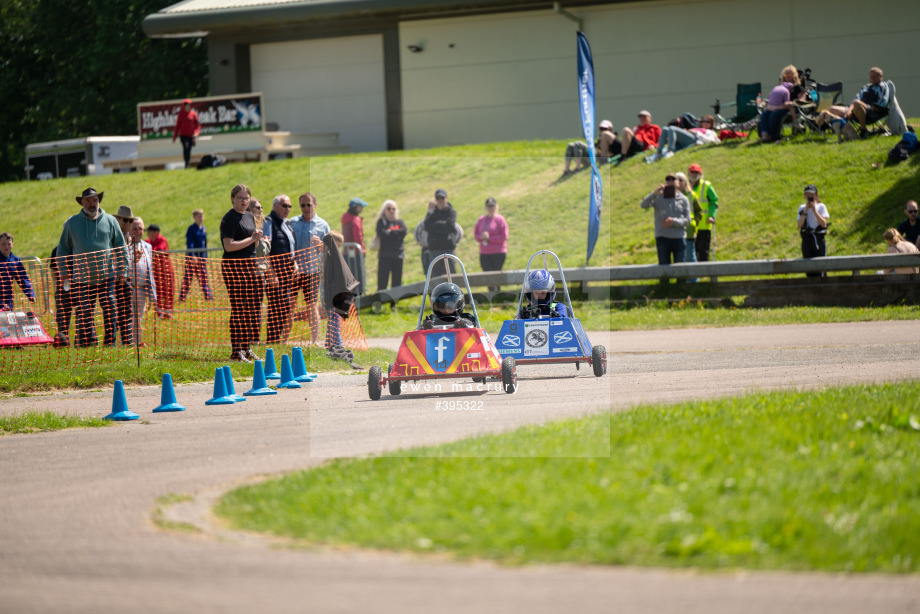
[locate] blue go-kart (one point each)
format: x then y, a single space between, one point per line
545 339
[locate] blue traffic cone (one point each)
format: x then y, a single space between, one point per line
259 387
271 372
231 389
220 390
120 405
300 367
168 397
287 375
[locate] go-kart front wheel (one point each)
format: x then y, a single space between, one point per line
373 383
395 387
599 360
509 375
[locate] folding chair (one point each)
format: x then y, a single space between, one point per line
824 97
747 114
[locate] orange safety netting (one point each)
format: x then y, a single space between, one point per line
102 306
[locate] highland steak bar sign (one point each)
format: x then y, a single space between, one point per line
217 114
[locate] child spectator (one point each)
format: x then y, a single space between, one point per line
196 266
162 271
11 268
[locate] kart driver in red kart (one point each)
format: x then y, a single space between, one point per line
540 290
447 309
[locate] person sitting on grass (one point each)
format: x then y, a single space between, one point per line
447 309
11 268
606 147
540 292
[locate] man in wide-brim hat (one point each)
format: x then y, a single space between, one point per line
96 242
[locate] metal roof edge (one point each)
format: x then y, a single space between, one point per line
196 23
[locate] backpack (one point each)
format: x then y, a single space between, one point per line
689 120
905 147
209 161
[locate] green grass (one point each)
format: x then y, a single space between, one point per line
111 365
818 480
159 514
759 187
39 422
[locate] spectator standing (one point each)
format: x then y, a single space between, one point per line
421 236
897 245
440 225
492 235
188 127
140 278
391 235
696 214
263 249
239 236
643 136
672 216
283 268
812 222
162 271
11 268
910 227
196 264
123 292
709 202
93 277
309 229
63 306
353 231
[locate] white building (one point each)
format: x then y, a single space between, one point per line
393 74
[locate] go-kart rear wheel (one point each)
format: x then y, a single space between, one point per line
509 375
599 360
373 383
395 387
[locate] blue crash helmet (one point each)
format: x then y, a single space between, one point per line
540 281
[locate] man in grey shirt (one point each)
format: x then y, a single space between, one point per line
672 216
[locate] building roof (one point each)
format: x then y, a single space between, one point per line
200 17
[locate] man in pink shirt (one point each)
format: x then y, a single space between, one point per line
492 235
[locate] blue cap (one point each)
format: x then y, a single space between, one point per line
356 202
440 194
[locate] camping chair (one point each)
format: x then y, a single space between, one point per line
891 118
747 113
824 96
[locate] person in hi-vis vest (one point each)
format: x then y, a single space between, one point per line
709 201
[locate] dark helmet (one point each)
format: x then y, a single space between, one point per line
447 299
540 281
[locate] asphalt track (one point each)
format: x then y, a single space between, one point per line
76 506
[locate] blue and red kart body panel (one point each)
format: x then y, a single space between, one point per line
445 353
547 340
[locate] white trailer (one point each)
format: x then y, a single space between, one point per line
76 157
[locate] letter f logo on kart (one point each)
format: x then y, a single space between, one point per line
440 351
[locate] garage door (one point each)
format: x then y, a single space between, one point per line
325 85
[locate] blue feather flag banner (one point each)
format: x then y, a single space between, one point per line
586 105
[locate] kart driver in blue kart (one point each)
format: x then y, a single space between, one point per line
447 309
540 290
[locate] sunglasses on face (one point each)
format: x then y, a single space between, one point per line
909 211
669 178
285 206
302 205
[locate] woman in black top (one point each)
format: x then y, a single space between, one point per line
239 236
391 232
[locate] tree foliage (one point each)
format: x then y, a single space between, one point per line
71 69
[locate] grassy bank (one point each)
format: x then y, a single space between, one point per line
759 187
820 480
